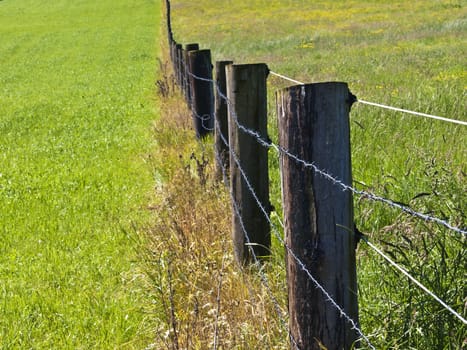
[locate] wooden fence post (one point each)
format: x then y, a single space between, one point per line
178 64
187 71
169 24
221 131
246 91
318 213
173 51
202 91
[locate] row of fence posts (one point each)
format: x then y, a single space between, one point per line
318 215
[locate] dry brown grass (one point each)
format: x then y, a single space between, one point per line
202 298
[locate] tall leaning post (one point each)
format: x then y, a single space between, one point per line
202 93
318 213
246 91
221 131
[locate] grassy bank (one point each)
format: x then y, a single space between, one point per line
406 54
76 105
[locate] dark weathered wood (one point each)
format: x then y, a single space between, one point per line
169 22
187 71
202 91
173 53
178 63
221 130
318 214
246 90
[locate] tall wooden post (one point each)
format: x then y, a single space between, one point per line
173 56
246 91
318 213
202 91
178 64
169 23
187 71
221 131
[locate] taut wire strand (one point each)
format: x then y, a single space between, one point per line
374 104
419 284
396 109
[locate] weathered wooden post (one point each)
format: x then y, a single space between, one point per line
246 91
202 91
221 131
173 52
187 71
179 63
169 23
318 213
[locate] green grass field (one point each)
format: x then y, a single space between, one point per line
76 107
408 54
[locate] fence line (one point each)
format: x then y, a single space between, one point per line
330 177
345 187
269 144
396 109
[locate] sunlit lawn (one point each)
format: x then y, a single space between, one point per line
76 106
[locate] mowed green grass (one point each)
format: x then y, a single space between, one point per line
76 106
408 54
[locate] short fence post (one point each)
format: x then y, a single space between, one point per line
221 131
202 91
318 213
246 91
186 86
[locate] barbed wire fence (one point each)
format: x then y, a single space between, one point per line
209 123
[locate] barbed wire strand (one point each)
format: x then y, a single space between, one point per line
369 195
414 280
299 262
396 109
